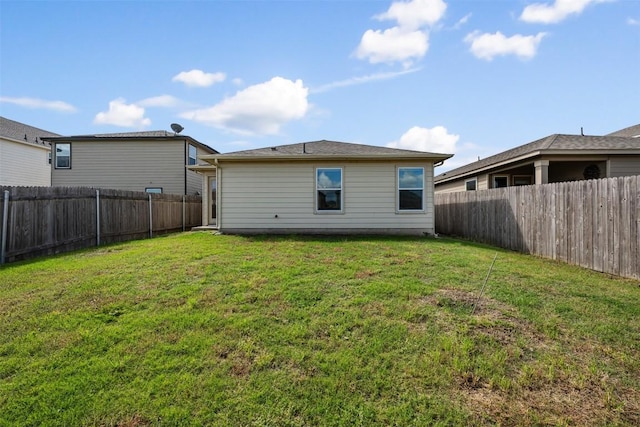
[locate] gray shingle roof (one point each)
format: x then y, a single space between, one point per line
549 144
328 148
631 131
11 129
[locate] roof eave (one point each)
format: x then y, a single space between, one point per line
488 167
29 143
212 158
201 168
546 152
92 138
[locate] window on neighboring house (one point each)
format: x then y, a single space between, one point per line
411 189
329 189
62 155
155 190
193 154
500 181
471 185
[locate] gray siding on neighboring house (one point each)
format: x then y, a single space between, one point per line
624 166
194 180
24 164
125 165
252 194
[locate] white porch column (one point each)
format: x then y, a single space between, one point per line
542 171
206 191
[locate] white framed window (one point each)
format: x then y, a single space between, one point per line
329 194
500 181
471 184
410 189
62 155
193 155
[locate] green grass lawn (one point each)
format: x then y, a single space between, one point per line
198 329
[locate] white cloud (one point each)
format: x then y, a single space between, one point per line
362 79
392 45
39 104
325 181
631 21
259 109
487 46
433 140
414 14
408 40
462 21
544 13
122 114
159 101
199 78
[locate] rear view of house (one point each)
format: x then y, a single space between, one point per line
152 161
24 155
320 187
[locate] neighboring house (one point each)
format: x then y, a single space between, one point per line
321 187
24 155
152 161
556 158
631 132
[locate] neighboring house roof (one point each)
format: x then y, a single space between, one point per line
10 129
552 144
631 131
317 150
142 134
152 134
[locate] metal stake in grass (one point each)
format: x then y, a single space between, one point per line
473 310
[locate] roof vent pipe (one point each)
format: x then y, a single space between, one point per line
304 148
581 131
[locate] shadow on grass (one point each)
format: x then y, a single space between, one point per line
316 238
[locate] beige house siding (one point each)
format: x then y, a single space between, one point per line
125 165
272 197
624 166
451 187
483 182
24 164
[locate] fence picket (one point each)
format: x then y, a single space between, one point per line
594 223
49 220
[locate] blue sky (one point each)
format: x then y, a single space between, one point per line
471 78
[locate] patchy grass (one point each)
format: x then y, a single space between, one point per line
196 329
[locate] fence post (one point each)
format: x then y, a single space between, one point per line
150 217
183 212
5 214
97 217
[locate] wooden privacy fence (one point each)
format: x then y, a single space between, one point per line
593 224
47 220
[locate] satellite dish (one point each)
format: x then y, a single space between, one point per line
176 127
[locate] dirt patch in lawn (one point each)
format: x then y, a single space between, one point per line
542 386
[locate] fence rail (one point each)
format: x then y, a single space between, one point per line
47 220
593 224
